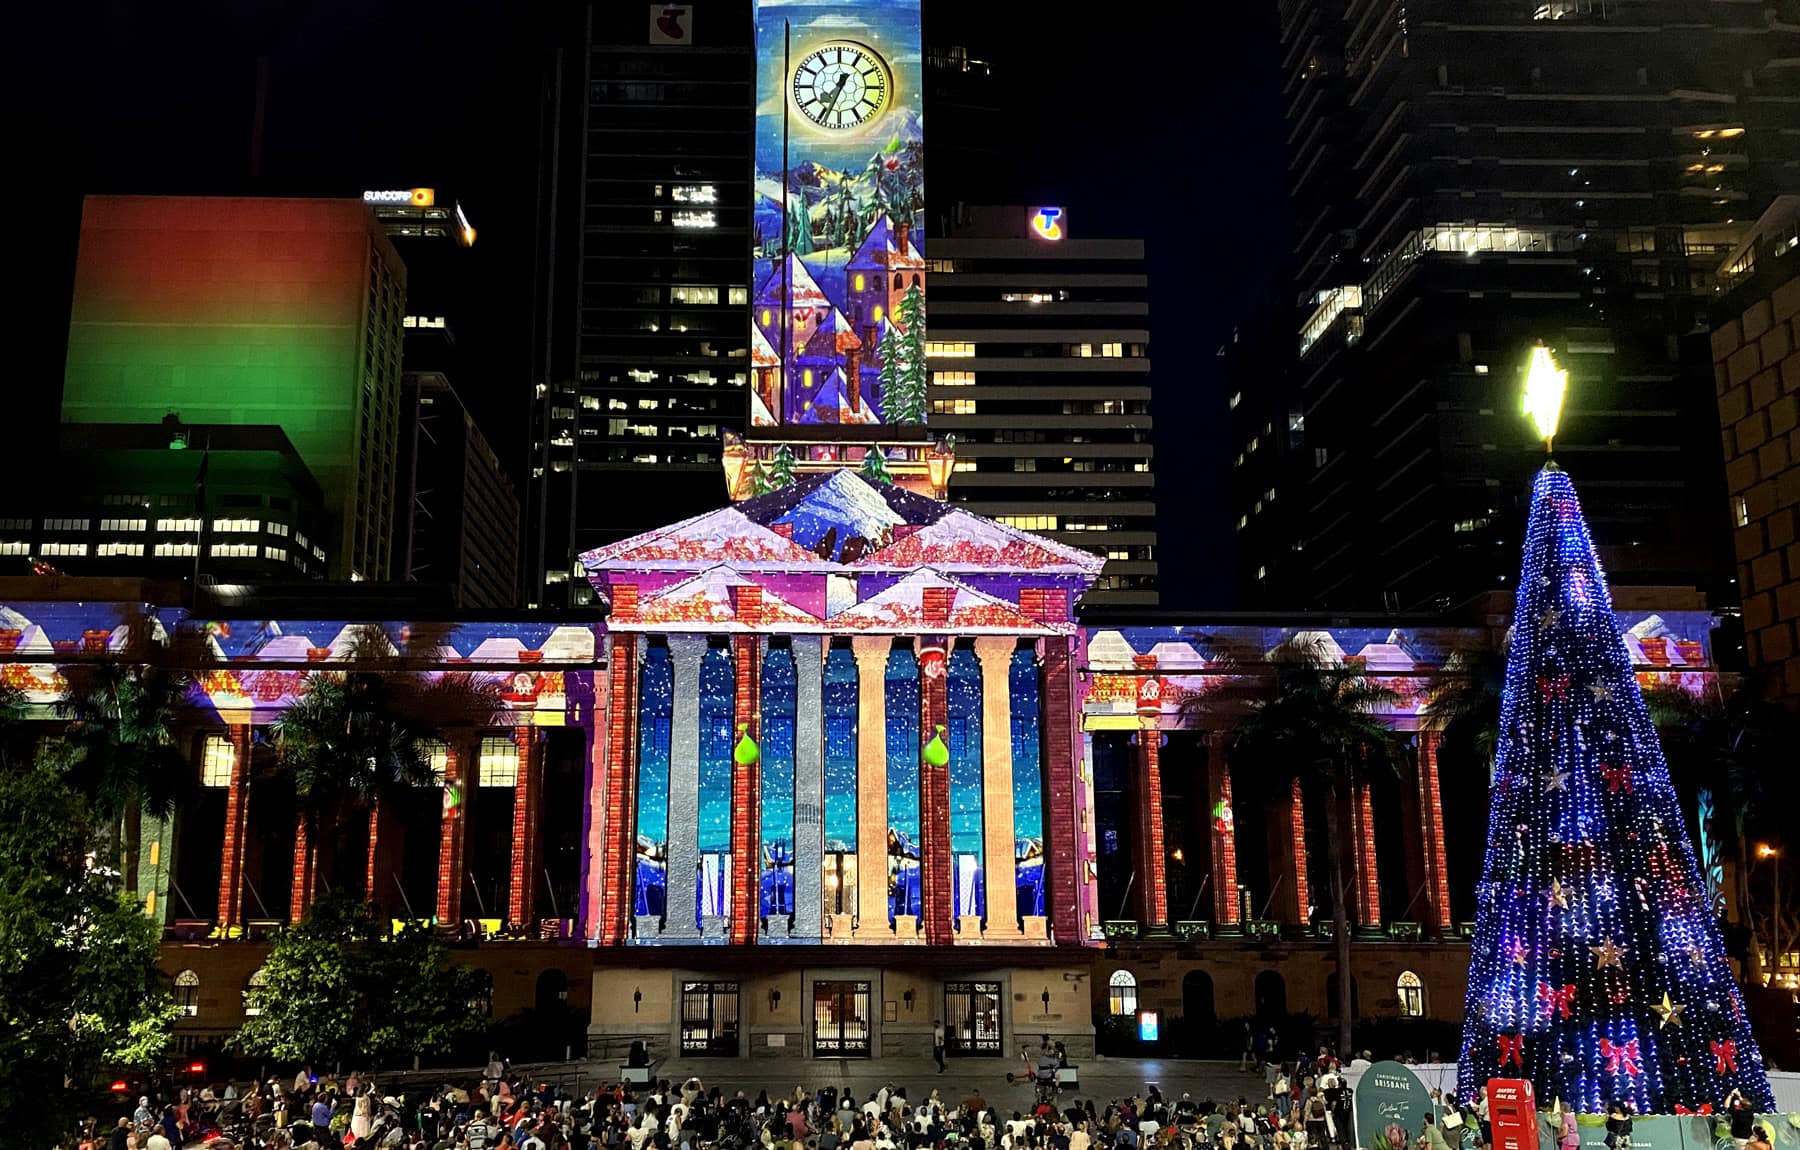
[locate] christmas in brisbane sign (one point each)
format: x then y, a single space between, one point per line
838 312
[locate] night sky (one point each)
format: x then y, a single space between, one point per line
1166 125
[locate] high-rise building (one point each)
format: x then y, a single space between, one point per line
458 518
1756 350
644 278
1039 351
431 237
1468 179
227 503
238 311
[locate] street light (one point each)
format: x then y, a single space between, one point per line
1765 851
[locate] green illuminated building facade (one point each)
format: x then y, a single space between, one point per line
226 311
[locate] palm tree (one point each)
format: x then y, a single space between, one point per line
118 745
1462 699
1737 746
1318 725
354 736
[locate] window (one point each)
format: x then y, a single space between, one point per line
691 218
15 548
166 550
1028 522
1412 995
275 528
237 525
122 524
187 993
217 758
953 379
259 978
107 550
953 407
499 766
935 349
64 549
15 525
233 550
694 194
65 525
1121 993
276 553
1740 511
688 293
178 525
737 295
436 755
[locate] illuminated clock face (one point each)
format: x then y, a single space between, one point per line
841 85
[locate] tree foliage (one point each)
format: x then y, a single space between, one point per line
874 466
80 995
337 990
903 399
781 469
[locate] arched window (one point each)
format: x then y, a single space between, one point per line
1121 992
1412 995
899 280
187 993
258 979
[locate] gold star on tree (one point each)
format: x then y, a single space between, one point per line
1670 1012
1608 954
1603 692
1556 780
1548 619
1558 895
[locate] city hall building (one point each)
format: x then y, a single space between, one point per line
836 762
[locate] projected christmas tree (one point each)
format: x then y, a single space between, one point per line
1597 970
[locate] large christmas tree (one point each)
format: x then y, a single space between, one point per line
1597 969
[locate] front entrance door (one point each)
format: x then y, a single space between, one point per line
841 1019
972 1018
709 1018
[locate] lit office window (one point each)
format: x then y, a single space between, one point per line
217 758
499 765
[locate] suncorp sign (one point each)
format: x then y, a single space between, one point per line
417 197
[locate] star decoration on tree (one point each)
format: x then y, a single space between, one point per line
1603 692
1557 895
1696 956
1518 952
1549 618
1669 1012
1555 780
1608 954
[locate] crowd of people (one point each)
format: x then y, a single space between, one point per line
1305 1104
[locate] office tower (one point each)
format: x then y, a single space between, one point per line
644 278
232 311
432 236
125 501
458 518
1039 352
1756 350
1468 180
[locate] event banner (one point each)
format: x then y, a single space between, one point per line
838 311
1391 1104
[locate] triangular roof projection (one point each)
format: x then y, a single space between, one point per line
842 504
878 249
960 541
804 291
901 608
722 536
760 416
832 404
704 603
762 352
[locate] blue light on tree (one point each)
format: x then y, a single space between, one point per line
1597 969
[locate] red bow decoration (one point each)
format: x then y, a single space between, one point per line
1705 1108
1512 1049
1553 686
1556 1000
1617 779
1724 1055
1621 1056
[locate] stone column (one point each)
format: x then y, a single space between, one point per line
619 834
527 858
871 786
746 790
237 821
453 829
1287 849
999 841
1224 836
307 861
1366 877
937 876
385 846
809 785
682 921
1431 834
1060 730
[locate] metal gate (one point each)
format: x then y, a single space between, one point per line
972 1018
709 1018
841 1020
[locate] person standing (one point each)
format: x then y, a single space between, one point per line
1571 1134
937 1042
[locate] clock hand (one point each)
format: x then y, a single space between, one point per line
837 92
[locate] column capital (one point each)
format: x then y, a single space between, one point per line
991 649
872 650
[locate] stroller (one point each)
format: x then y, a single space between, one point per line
1044 1078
